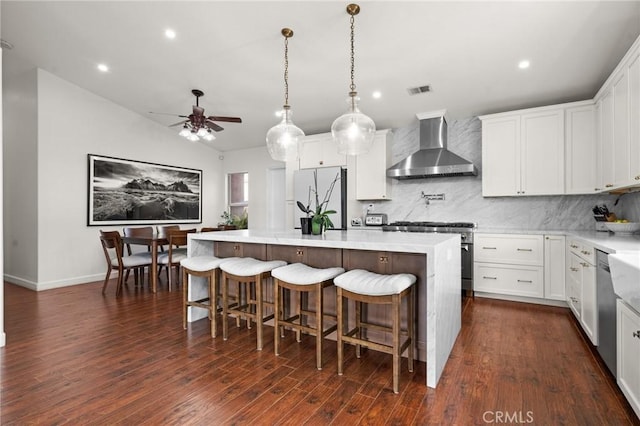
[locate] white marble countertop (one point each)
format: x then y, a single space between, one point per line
407 242
605 241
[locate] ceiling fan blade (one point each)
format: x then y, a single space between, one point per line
227 119
213 126
197 110
167 113
179 123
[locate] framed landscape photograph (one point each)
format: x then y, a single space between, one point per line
126 192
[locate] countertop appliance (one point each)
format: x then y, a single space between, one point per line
465 229
303 180
375 219
607 318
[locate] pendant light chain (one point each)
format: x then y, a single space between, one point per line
286 71
353 84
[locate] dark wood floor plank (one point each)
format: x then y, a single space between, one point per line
74 356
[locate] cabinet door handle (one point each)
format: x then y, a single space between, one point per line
585 264
609 185
384 259
524 249
574 246
321 162
574 269
588 253
525 281
597 189
490 278
236 247
637 177
636 334
489 248
299 252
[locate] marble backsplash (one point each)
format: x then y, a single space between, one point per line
463 195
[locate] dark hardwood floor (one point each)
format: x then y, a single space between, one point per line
76 357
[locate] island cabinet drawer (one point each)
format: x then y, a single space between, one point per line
509 249
316 257
582 250
233 249
509 279
384 262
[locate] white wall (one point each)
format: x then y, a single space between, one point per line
72 123
257 162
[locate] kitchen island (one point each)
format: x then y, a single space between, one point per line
439 293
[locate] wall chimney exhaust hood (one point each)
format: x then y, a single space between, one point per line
433 159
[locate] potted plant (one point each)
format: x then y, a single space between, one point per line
305 222
320 220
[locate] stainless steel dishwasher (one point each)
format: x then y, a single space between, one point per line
606 312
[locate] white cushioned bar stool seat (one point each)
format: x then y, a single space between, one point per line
368 287
205 267
304 280
247 273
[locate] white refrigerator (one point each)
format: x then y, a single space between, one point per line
303 180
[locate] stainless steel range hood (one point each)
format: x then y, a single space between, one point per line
433 159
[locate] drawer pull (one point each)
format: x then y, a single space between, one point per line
490 278
574 269
637 177
236 247
299 252
574 246
525 281
636 334
520 249
588 253
585 264
489 248
609 185
384 259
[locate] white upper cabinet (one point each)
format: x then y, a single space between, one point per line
320 151
618 133
580 154
501 156
372 182
523 152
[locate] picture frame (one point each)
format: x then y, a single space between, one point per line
132 192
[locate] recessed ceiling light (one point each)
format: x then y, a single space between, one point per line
376 94
523 64
103 67
169 33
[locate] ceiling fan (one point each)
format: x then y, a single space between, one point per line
197 125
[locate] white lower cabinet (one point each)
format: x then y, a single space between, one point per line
554 266
628 349
516 280
509 264
581 286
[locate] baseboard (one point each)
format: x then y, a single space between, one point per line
48 285
548 302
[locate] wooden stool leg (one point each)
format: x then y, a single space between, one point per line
301 305
358 325
395 306
225 305
319 325
259 314
213 299
342 312
277 317
184 300
411 327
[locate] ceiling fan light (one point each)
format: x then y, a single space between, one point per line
353 131
209 136
185 132
193 136
201 132
283 139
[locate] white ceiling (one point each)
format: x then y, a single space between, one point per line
233 51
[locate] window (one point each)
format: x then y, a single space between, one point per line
238 193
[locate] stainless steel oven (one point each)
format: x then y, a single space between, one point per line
465 229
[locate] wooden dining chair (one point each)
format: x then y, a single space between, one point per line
113 251
137 232
164 230
175 253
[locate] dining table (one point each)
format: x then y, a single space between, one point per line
154 241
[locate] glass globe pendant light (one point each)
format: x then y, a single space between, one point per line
353 131
283 138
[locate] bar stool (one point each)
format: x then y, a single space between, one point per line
246 271
368 287
207 267
305 280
